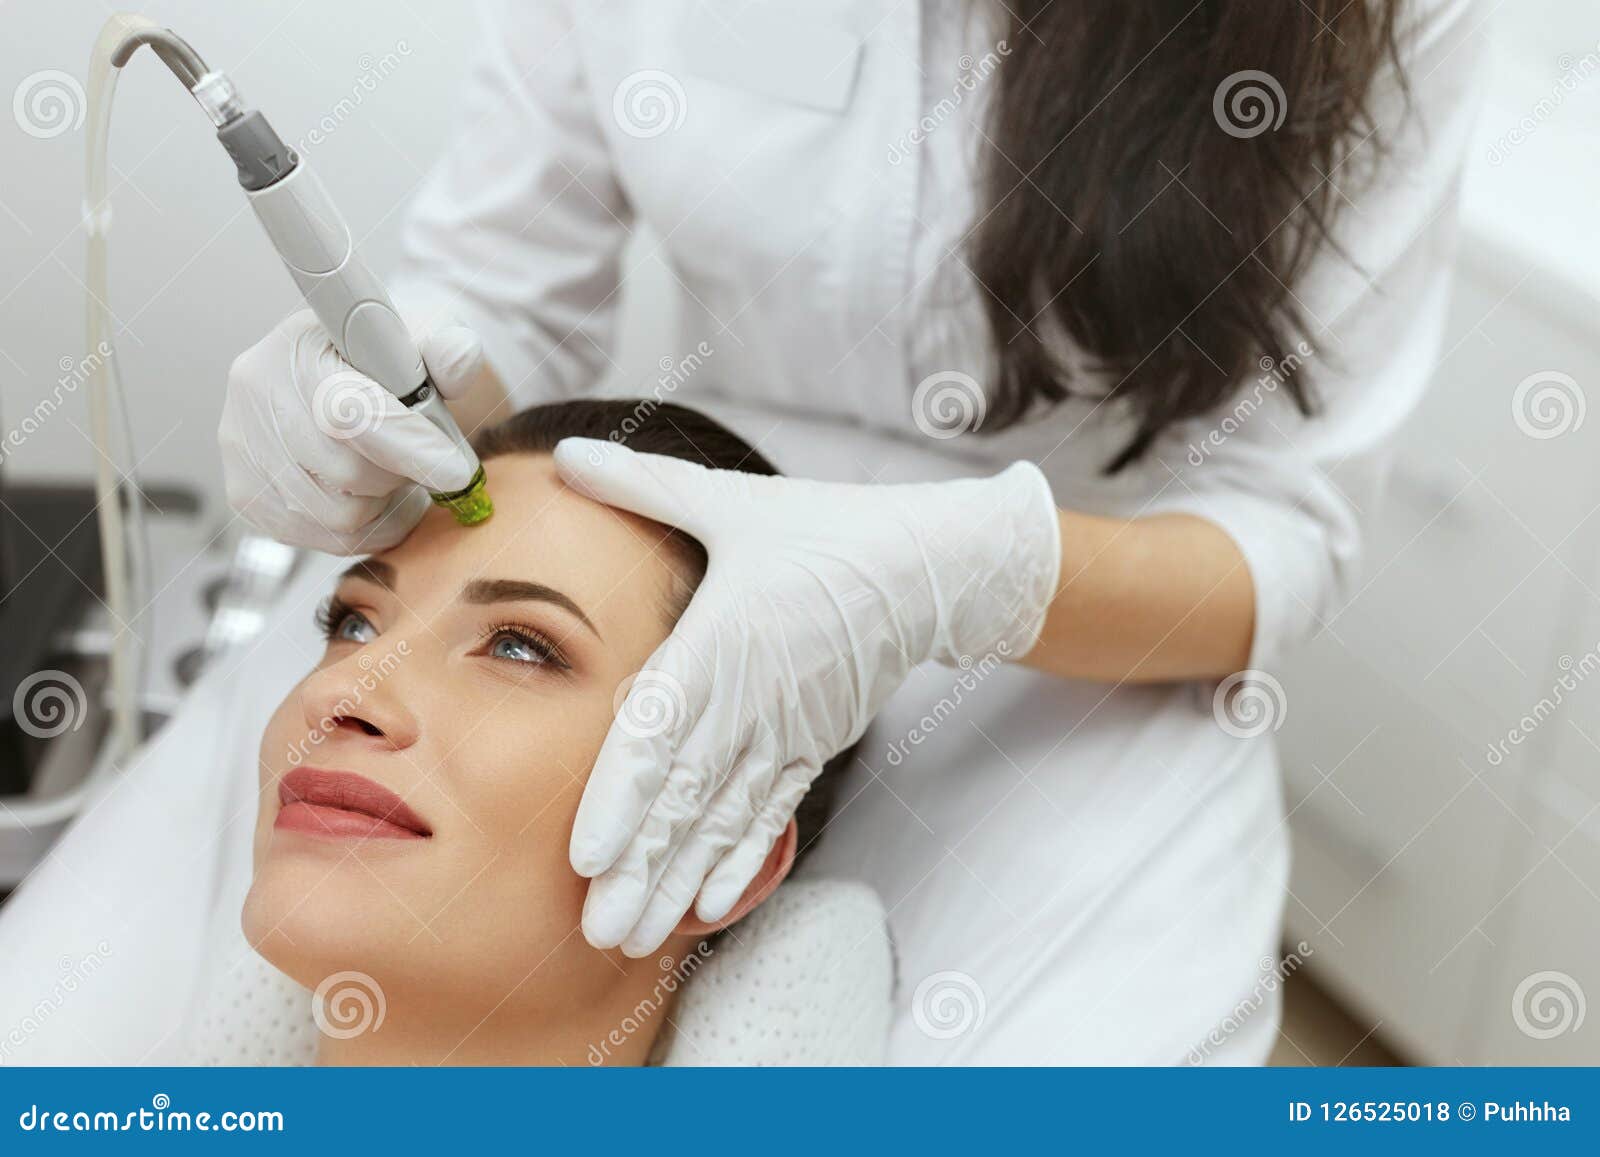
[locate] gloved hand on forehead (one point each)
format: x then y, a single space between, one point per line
317 454
818 600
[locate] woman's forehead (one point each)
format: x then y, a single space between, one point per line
616 565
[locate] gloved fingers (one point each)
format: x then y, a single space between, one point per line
615 899
319 442
619 896
377 426
320 455
454 357
668 490
294 528
399 517
345 403
264 506
342 517
660 711
450 349
295 506
725 820
729 879
670 898
245 481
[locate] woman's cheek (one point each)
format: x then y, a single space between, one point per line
521 782
274 744
529 765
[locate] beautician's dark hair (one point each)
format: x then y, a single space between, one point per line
666 428
1120 211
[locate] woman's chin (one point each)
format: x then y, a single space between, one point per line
308 928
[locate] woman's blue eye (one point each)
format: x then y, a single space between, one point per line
354 628
525 647
515 649
340 622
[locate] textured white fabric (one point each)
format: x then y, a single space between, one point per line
805 980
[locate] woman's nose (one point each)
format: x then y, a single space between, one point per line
358 699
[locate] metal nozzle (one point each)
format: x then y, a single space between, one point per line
470 505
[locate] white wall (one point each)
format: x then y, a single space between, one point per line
1543 32
192 281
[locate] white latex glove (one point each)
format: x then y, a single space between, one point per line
818 600
317 454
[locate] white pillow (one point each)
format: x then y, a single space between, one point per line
808 981
805 980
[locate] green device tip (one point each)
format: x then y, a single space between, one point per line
471 505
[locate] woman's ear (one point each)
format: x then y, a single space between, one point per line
773 872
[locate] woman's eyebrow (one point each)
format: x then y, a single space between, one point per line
483 591
375 572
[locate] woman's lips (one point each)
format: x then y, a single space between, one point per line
344 805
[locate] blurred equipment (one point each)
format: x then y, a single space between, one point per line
56 744
47 547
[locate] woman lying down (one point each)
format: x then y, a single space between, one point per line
416 833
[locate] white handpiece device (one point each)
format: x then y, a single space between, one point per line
316 246
351 303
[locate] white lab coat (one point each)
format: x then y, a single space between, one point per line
1075 873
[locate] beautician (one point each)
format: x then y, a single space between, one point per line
1091 322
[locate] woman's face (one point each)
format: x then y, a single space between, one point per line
470 672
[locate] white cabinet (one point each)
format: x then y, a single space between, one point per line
1425 806
1545 969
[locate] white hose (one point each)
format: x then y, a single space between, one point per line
124 657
